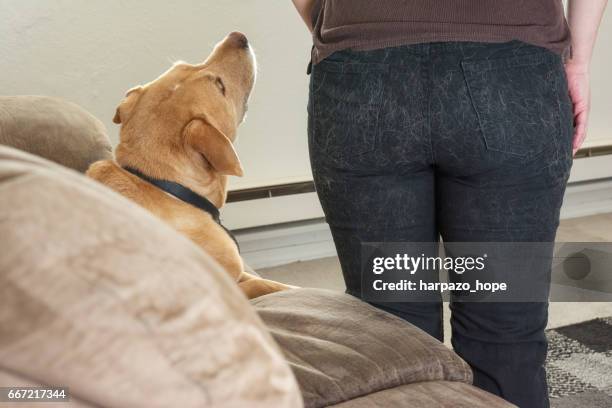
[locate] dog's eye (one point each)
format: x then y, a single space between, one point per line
220 85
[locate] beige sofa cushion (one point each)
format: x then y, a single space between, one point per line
54 129
98 295
431 394
342 348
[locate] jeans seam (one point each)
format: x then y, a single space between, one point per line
429 85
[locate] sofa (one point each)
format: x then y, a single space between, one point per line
99 296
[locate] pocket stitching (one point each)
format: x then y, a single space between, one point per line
517 61
345 67
372 121
468 68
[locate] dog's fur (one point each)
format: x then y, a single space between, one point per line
180 128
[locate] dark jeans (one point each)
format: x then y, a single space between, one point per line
467 141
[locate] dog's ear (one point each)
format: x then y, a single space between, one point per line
214 146
126 106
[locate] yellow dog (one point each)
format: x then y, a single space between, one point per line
176 151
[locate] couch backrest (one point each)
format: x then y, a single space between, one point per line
100 296
54 129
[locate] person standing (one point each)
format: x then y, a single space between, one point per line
456 119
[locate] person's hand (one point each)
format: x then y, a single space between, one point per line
579 86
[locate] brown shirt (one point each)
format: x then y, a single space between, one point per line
371 24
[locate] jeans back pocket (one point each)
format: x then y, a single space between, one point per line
517 101
345 102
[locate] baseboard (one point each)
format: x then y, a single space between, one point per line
280 244
587 198
260 213
284 243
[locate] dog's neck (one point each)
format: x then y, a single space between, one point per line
191 171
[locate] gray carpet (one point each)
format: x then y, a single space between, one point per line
579 365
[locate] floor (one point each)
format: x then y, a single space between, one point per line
325 273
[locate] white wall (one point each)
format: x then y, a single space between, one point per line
92 51
600 124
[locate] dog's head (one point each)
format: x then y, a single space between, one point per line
191 112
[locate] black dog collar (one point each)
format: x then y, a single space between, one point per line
184 194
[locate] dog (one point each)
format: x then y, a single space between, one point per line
176 150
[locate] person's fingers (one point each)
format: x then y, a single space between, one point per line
580 127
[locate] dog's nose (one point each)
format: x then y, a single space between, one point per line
239 39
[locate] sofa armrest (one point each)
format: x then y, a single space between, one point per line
100 296
54 129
